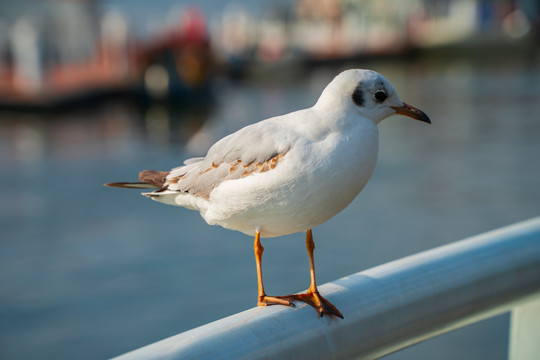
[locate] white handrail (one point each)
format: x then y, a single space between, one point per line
386 308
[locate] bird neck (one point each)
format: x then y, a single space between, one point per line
340 118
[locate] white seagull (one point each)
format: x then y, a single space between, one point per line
288 173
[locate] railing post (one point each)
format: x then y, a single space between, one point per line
525 331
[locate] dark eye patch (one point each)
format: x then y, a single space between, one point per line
380 95
358 97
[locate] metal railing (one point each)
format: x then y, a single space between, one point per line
388 307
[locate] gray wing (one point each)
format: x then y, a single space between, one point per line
254 149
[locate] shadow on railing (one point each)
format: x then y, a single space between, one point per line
389 307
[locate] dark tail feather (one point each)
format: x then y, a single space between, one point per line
150 179
133 185
157 178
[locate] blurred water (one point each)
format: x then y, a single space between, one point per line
91 272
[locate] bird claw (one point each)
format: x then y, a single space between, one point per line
266 300
315 300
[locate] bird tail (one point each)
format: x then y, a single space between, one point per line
133 185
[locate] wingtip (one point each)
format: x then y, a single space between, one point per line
131 185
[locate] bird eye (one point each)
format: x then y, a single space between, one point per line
380 96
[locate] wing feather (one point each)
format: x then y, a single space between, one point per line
253 149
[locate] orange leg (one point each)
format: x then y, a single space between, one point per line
312 296
263 299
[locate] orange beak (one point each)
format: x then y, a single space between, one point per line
412 112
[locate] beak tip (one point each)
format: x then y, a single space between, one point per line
412 112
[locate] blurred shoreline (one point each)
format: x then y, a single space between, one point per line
181 53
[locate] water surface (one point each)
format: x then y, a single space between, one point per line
91 272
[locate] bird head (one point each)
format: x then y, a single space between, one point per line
368 94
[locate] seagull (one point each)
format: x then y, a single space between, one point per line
288 173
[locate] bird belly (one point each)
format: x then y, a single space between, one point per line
295 197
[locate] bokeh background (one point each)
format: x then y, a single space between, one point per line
92 91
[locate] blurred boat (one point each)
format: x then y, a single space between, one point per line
40 71
335 32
